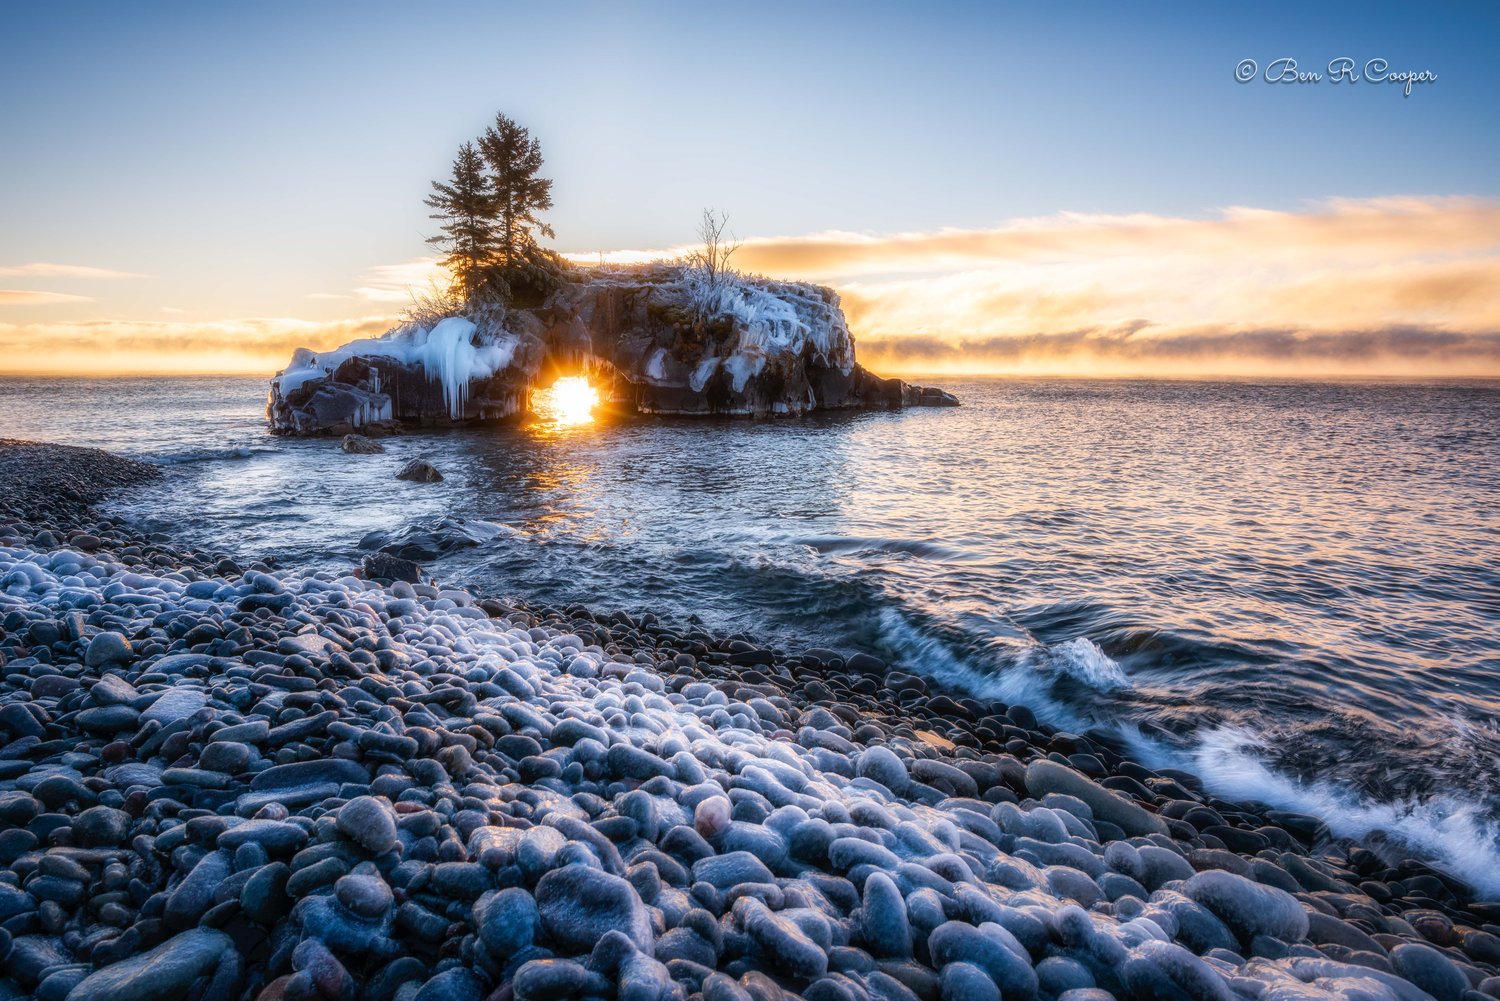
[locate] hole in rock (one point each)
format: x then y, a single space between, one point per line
568 402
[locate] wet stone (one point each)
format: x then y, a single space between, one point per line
169 972
369 822
176 704
108 648
579 904
507 921
1249 909
100 826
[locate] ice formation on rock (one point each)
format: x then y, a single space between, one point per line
449 353
661 338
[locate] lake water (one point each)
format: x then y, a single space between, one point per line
1291 589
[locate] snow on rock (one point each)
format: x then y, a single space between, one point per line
448 353
661 338
792 319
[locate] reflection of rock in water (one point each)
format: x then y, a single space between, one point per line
654 340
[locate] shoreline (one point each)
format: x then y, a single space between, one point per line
312 661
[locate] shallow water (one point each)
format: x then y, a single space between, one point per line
1291 589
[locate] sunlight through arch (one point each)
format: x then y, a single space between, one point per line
568 402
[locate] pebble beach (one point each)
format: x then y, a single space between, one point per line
228 781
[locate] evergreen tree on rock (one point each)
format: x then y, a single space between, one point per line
514 158
466 207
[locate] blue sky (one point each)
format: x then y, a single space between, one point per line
248 156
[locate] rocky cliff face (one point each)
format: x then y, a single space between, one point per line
652 340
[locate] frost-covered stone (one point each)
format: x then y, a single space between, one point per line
404 792
1249 909
883 920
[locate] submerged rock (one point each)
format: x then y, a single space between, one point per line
358 444
420 471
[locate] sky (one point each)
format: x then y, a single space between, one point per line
1081 189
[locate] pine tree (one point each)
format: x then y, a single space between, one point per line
514 158
466 206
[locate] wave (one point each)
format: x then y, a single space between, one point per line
1024 673
922 548
1074 684
1453 834
1082 660
228 452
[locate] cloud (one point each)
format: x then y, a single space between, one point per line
42 269
396 283
1137 349
1369 230
1396 281
256 345
1398 286
25 297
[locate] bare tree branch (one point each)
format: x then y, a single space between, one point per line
717 247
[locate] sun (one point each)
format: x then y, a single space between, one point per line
568 402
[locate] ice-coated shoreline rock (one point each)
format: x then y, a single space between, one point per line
227 782
654 339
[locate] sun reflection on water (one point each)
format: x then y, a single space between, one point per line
568 402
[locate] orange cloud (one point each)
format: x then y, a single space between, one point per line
1401 286
1398 286
1347 229
43 269
249 346
1137 350
26 297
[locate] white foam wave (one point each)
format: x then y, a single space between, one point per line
1028 679
1082 660
1454 832
1451 833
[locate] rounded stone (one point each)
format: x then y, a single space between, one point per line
364 896
453 984
368 822
108 648
100 826
880 764
507 921
963 981
989 947
579 904
1430 970
1249 909
168 971
883 920
711 817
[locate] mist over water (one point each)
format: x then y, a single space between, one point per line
1291 590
